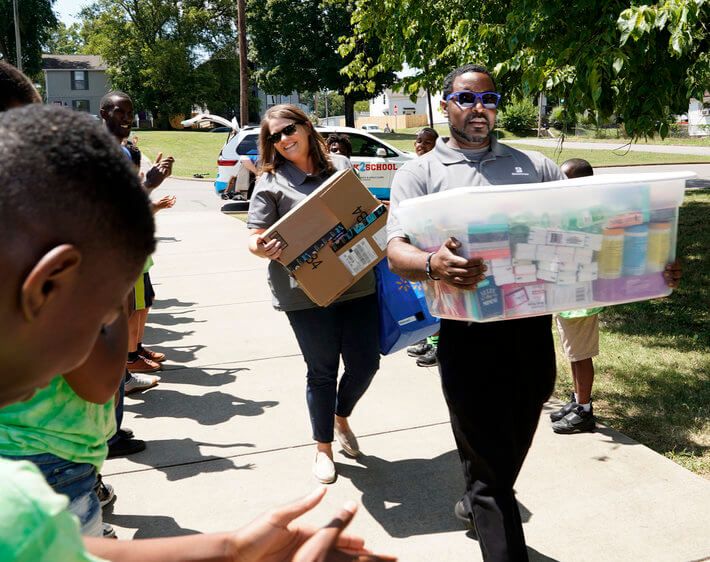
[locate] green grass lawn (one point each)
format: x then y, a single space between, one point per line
622 157
404 140
195 152
653 371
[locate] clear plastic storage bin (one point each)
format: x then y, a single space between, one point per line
553 246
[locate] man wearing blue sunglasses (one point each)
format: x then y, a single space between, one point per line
496 376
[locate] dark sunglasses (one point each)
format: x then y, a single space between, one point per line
288 130
466 99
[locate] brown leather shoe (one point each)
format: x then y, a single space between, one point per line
142 365
155 356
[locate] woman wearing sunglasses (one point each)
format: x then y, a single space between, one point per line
295 162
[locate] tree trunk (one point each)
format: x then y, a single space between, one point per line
243 65
349 110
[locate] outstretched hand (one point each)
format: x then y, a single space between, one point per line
165 202
162 168
274 537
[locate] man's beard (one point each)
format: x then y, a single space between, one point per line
474 139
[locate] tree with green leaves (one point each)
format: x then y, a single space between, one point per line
65 40
640 62
155 49
295 46
36 23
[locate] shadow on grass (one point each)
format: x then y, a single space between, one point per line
681 320
657 406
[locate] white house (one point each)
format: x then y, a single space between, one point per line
391 103
699 116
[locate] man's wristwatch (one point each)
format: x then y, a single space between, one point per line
427 268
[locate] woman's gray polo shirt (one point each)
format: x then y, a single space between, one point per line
275 195
446 168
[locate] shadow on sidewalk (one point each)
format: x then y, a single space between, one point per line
171 303
409 497
207 376
183 458
208 409
173 319
177 355
148 526
155 335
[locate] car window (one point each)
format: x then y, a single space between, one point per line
364 146
249 145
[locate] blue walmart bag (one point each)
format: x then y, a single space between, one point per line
404 316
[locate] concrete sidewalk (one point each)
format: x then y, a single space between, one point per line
228 432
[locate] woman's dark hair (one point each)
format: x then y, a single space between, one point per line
343 140
271 159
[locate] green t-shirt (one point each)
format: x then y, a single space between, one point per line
57 421
35 525
581 313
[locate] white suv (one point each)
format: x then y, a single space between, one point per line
375 161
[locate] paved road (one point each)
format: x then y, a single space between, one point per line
228 434
620 146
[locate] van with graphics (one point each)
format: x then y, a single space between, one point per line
374 160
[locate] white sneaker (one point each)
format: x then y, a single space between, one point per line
323 469
139 381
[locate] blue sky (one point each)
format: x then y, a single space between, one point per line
67 9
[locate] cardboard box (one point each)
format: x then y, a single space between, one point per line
333 237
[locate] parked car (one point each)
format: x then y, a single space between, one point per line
371 128
374 161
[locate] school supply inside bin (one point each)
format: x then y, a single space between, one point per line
404 316
555 246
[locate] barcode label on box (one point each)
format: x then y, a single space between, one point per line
358 257
380 237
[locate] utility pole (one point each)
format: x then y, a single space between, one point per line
539 115
18 47
243 64
431 111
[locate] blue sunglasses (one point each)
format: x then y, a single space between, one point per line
465 99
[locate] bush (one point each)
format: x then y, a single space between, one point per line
561 119
519 116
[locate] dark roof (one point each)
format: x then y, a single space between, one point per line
72 62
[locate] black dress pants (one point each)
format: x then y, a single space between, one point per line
496 377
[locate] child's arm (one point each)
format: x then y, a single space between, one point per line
273 536
98 378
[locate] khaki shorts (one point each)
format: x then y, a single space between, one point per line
579 336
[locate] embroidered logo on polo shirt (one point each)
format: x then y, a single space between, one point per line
519 172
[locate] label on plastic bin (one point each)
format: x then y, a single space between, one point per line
358 257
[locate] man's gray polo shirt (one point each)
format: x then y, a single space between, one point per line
447 168
275 195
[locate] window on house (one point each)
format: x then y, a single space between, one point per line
80 105
79 80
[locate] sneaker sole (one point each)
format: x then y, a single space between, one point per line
573 430
144 371
140 388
